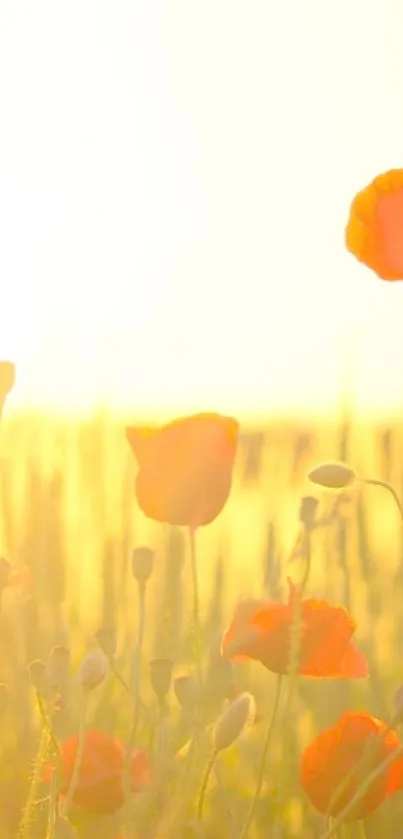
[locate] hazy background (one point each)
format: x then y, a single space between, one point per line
175 178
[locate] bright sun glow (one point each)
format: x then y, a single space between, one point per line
175 178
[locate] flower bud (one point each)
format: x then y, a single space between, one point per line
186 690
233 720
59 668
93 670
161 675
106 637
39 676
307 510
332 475
142 564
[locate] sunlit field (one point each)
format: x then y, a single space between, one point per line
69 524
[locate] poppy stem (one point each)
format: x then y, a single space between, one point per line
206 776
249 818
196 610
28 812
136 687
295 651
79 756
389 488
361 791
53 805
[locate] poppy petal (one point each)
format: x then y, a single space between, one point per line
355 664
375 226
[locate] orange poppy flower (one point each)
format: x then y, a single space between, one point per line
333 759
100 786
374 232
185 468
261 629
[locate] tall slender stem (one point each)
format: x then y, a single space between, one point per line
28 812
249 818
205 781
361 791
295 653
389 488
79 756
196 607
138 654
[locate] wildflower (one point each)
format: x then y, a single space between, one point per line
332 475
261 629
233 720
142 564
100 784
344 754
93 669
185 468
374 232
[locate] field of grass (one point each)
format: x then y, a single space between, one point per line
69 515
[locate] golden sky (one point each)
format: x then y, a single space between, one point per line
175 178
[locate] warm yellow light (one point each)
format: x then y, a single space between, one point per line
174 186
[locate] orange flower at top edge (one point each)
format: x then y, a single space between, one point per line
260 629
100 786
327 762
185 468
374 232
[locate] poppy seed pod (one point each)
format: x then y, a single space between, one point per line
106 637
142 564
161 675
332 475
39 676
307 510
186 690
59 667
233 720
93 669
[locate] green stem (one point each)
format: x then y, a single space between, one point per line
206 776
28 812
249 818
53 809
138 653
361 792
389 488
196 608
79 757
48 723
